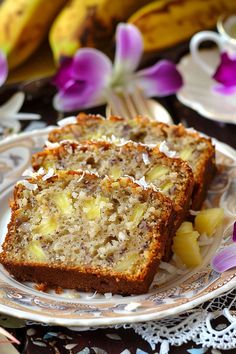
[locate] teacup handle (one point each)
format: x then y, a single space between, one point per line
195 42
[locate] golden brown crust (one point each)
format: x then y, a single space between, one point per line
75 279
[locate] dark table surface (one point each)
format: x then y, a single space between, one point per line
41 339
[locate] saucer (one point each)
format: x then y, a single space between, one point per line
197 92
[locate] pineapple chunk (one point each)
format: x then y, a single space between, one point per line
208 220
193 233
48 164
127 263
186 153
46 226
36 251
186 226
92 207
94 135
115 172
156 172
132 123
63 202
166 186
187 249
137 214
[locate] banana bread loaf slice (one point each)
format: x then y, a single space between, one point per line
76 230
188 145
173 177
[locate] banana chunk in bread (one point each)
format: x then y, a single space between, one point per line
77 230
188 145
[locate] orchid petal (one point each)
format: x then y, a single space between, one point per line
77 96
83 80
129 48
64 74
3 68
226 71
234 232
91 65
160 79
224 90
225 259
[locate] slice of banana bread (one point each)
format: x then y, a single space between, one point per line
188 145
76 230
173 177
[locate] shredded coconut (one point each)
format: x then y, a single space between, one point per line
28 185
41 171
132 306
89 297
66 121
191 130
50 145
142 182
204 240
168 267
89 172
121 236
163 147
145 159
49 174
193 212
28 173
113 140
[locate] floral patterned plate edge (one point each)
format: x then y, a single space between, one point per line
176 294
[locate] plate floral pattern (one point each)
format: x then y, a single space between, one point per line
179 293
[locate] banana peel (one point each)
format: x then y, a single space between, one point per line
166 23
89 23
23 26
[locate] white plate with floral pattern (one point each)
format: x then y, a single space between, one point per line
180 291
197 91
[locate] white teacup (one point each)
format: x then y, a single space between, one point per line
225 40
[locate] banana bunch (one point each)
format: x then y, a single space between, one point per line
89 23
23 26
92 23
165 23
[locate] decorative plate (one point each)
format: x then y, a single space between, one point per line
197 92
179 289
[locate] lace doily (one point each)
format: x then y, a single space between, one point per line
198 325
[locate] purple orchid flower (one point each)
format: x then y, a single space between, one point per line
3 68
226 259
226 75
86 79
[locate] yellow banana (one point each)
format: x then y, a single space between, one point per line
89 23
23 26
165 23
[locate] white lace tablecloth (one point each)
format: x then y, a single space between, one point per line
198 325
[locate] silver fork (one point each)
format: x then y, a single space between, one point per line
130 105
